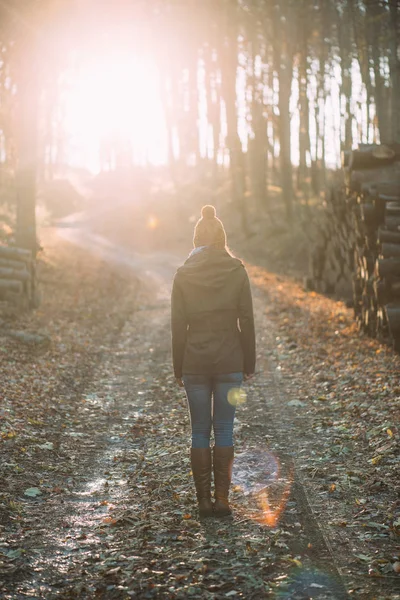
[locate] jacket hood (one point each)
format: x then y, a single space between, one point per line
209 268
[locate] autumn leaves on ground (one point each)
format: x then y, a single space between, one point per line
96 496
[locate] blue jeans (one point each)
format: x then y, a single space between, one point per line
204 414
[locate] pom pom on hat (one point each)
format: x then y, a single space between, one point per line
209 230
208 212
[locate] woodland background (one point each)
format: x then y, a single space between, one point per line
259 95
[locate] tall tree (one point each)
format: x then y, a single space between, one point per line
229 62
284 49
394 65
304 109
343 24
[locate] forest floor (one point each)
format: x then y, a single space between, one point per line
96 494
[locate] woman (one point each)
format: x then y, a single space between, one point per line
213 348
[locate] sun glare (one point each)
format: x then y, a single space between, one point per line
113 103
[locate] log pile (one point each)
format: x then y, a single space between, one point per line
18 282
331 261
361 240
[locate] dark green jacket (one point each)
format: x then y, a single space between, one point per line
212 315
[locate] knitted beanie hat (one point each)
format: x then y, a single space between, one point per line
209 230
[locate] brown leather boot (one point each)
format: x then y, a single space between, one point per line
201 469
223 462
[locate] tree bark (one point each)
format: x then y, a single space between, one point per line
213 105
304 109
374 15
27 111
394 64
258 144
283 59
229 74
343 23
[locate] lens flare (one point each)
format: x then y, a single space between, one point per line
271 509
237 396
266 483
152 222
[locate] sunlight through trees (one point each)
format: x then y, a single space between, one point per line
270 89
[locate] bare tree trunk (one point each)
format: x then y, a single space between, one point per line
258 144
191 113
283 60
304 109
168 89
285 82
259 157
236 158
27 111
394 63
213 106
344 38
8 164
366 38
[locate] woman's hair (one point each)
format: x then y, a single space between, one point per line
209 230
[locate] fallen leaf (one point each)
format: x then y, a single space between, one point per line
46 446
295 403
363 557
32 492
109 520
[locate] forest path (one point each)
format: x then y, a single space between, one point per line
122 521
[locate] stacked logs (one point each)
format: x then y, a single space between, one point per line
373 183
18 283
331 261
367 228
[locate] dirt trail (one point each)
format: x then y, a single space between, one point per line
122 521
